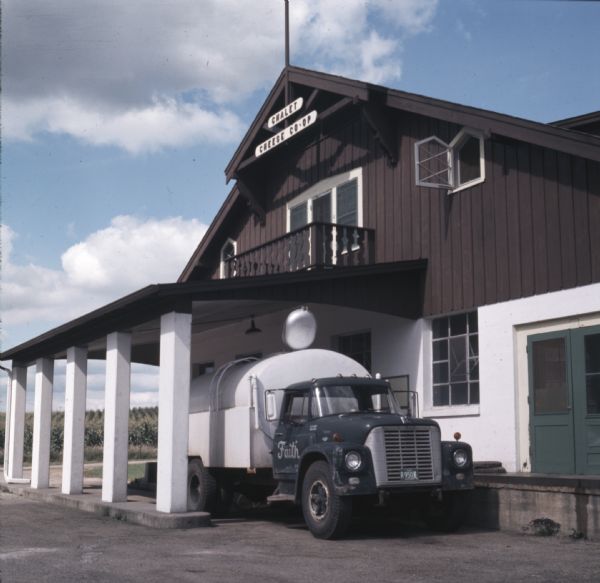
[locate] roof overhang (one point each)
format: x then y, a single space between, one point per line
391 288
573 123
555 136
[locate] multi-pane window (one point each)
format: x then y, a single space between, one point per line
356 346
455 360
347 203
468 160
454 166
592 373
298 216
337 204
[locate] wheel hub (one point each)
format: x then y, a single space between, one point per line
318 499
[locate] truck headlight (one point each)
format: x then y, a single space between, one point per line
353 461
460 457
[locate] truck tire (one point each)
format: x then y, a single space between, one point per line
326 514
223 499
447 514
202 487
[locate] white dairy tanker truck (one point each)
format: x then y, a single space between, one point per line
312 427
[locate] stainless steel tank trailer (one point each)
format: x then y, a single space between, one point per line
312 427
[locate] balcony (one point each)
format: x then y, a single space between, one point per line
315 246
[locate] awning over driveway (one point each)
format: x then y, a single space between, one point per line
391 288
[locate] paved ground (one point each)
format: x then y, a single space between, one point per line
43 542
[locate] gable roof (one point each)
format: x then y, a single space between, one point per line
581 123
557 136
541 134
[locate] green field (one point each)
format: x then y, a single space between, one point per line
143 434
134 470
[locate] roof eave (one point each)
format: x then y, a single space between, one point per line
211 232
154 300
256 125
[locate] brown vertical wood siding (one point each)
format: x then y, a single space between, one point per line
532 227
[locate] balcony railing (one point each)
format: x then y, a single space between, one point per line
317 245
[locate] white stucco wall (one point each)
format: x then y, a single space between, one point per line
498 428
396 345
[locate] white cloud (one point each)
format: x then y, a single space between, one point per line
162 124
413 16
374 59
463 31
127 255
149 75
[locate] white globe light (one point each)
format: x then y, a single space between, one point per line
300 329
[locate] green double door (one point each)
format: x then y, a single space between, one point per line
564 401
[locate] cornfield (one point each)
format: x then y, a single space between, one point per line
143 434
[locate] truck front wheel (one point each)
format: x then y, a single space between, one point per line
202 487
327 514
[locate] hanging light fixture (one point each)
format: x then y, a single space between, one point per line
253 329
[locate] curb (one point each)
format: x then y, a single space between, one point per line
142 513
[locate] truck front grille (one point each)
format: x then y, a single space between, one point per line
405 455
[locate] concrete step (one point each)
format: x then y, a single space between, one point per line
490 467
137 509
522 501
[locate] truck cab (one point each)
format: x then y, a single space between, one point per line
339 438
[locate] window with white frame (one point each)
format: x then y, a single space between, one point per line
228 251
455 350
334 200
454 166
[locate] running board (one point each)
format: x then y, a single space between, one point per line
280 498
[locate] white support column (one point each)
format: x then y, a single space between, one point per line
17 421
42 417
173 410
75 395
7 422
116 417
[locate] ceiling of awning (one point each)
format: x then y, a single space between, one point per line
393 288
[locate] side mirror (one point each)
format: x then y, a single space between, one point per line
270 406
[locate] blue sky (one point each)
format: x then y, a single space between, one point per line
119 118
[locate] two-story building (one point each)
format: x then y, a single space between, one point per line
454 250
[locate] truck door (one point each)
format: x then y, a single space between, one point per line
293 433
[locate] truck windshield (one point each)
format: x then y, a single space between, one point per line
336 399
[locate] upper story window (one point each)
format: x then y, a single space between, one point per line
227 252
454 166
455 352
334 200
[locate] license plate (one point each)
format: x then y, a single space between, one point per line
408 475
